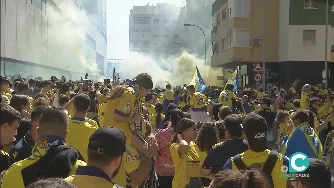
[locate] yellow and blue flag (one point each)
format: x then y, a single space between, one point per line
198 81
234 80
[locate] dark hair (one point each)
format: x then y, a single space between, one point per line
158 109
207 136
183 125
215 111
224 111
302 115
221 129
233 124
51 183
37 112
63 99
168 86
175 116
41 101
236 179
53 119
46 83
319 175
187 115
22 86
100 158
9 114
311 117
281 115
144 80
296 103
81 102
169 108
17 101
266 101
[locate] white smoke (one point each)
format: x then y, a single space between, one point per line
67 29
175 70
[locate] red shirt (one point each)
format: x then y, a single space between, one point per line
164 163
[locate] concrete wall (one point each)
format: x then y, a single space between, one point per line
42 40
300 52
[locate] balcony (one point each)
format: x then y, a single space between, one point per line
232 55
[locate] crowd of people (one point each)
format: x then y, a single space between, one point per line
58 133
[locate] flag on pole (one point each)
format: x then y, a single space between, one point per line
234 80
198 81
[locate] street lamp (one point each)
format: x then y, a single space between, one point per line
192 25
326 45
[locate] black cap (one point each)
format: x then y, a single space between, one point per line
255 128
108 141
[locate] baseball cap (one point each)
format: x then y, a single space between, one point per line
255 128
108 141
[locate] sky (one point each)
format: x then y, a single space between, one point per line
118 24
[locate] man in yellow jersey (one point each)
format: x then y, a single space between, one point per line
305 97
168 96
79 130
10 119
198 105
125 111
50 155
227 96
4 87
260 94
258 156
105 149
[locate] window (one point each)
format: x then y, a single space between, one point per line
156 21
229 39
309 37
223 45
218 19
224 14
215 48
37 4
141 20
166 21
310 4
176 36
146 44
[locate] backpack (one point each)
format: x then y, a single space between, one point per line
266 169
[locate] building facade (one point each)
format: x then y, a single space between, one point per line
157 29
288 35
44 38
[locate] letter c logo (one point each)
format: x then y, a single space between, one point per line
299 162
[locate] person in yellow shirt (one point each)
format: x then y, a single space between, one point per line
51 157
304 97
261 94
104 160
149 104
185 155
168 96
258 156
156 119
198 105
79 130
4 87
227 96
125 111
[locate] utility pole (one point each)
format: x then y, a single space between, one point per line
263 45
326 44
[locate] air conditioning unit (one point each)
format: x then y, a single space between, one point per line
256 42
214 29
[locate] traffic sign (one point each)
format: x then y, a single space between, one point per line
257 68
258 77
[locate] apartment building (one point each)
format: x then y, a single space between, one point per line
157 29
288 35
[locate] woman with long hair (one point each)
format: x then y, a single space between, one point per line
207 137
185 155
164 163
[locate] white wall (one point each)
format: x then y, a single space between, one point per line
284 30
239 8
300 52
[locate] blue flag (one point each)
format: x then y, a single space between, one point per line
198 81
